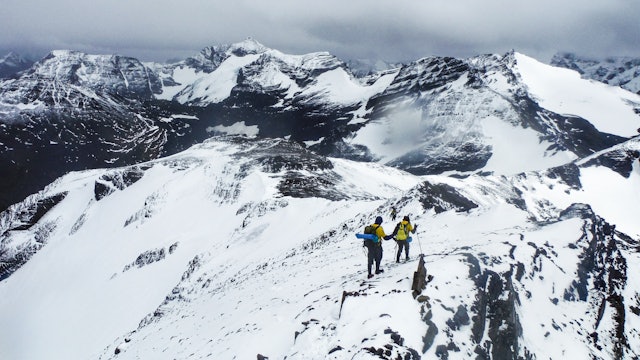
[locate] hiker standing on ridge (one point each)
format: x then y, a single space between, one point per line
401 235
374 248
393 214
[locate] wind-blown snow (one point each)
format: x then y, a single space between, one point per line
562 91
394 135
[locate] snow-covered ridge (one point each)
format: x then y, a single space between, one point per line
316 78
239 247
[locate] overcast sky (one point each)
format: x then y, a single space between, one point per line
392 30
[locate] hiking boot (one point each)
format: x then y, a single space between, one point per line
379 271
369 276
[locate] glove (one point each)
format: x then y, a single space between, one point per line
388 237
415 228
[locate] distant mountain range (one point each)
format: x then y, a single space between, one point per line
73 111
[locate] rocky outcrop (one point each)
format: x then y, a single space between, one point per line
23 232
117 180
441 197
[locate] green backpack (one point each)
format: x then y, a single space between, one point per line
370 229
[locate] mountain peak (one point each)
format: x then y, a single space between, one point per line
63 53
247 46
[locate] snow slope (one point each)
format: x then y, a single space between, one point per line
240 247
190 202
563 91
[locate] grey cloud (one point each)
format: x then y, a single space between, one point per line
399 30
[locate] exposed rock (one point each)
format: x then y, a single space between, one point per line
442 197
146 258
460 318
432 329
601 278
570 175
26 217
118 180
618 159
495 312
581 211
419 278
12 259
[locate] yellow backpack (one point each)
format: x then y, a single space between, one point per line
403 232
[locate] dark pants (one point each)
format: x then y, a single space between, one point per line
374 254
402 244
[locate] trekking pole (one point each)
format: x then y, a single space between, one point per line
419 243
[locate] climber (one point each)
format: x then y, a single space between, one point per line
401 235
374 248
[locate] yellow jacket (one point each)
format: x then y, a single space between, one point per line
379 233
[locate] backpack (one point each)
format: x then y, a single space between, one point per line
402 233
370 229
